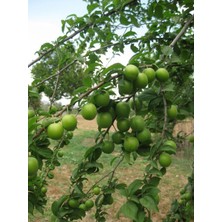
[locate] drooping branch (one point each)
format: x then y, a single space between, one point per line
88 25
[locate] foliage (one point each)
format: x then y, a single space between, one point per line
54 64
166 42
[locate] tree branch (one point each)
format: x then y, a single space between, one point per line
182 31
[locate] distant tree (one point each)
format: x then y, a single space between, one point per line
64 84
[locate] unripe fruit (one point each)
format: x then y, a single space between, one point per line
117 137
162 75
60 153
82 206
131 72
137 123
172 112
107 147
102 99
122 109
123 125
170 143
141 81
144 136
89 111
96 190
104 120
33 166
55 131
69 122
43 190
89 204
131 144
150 73
125 87
165 159
73 203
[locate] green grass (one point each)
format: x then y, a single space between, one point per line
170 185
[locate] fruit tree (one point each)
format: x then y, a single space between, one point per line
142 99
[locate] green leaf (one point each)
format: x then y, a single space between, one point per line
129 210
32 124
154 181
149 203
87 81
116 3
46 46
155 171
166 50
124 20
81 89
158 11
91 7
129 33
45 152
134 21
169 87
134 48
168 149
141 216
134 186
114 67
57 204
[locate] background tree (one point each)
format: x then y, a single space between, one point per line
65 83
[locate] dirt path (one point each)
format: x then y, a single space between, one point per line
89 124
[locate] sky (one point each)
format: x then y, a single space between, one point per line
44 20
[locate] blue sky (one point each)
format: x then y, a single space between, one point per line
44 20
54 10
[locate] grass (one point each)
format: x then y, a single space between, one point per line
170 185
